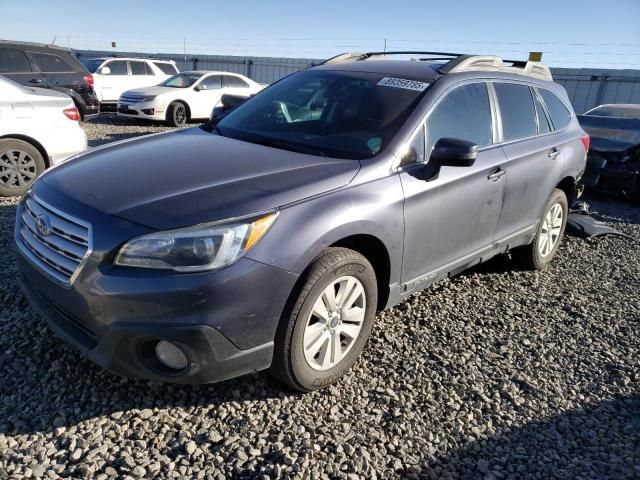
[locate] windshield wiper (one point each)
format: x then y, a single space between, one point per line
285 145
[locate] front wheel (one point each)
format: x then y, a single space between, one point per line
177 114
328 326
546 242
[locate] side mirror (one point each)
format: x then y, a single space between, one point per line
410 157
197 88
453 152
105 71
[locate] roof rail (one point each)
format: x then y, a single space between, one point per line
492 63
457 62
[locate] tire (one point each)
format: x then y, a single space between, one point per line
177 114
539 253
305 371
20 164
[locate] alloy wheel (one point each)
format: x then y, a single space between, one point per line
334 323
550 231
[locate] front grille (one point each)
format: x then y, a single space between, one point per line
57 243
131 98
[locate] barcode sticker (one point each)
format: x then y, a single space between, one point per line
403 83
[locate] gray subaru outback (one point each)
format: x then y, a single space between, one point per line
269 237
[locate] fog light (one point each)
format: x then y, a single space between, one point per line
148 111
171 356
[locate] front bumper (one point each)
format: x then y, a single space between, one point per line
225 320
146 110
212 357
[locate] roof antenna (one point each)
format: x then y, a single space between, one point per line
54 40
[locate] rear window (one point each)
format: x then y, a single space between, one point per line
48 62
13 61
517 110
560 115
92 65
167 68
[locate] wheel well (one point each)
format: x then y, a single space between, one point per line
568 186
33 142
374 251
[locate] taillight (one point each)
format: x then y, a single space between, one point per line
89 79
586 141
72 113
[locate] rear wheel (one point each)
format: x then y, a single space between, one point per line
20 165
177 115
546 242
329 323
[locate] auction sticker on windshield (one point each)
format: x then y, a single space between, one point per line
403 83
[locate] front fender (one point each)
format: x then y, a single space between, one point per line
303 230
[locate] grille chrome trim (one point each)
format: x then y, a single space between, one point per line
60 255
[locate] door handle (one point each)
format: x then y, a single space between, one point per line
553 153
496 175
35 80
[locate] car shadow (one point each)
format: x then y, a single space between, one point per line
596 441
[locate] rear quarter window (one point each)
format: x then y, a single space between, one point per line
48 62
13 61
517 110
560 115
167 68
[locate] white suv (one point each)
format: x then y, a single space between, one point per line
112 76
186 96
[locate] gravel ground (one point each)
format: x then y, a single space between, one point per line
497 373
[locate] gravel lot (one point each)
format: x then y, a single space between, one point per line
497 373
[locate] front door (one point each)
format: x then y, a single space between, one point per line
206 95
450 219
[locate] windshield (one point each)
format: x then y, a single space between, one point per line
339 114
92 65
182 80
618 112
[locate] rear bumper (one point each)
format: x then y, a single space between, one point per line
65 142
212 357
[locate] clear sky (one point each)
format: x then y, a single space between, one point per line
571 33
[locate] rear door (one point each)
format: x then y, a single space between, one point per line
450 219
59 71
15 65
535 158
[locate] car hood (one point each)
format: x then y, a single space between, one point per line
190 176
155 90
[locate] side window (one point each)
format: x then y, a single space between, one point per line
137 68
118 67
211 83
559 114
166 68
50 63
465 114
517 110
543 121
234 82
13 61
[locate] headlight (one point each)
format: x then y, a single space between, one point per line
195 249
148 98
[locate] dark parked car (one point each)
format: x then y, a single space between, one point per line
48 66
613 164
271 236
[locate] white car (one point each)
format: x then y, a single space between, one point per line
184 97
39 128
113 76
